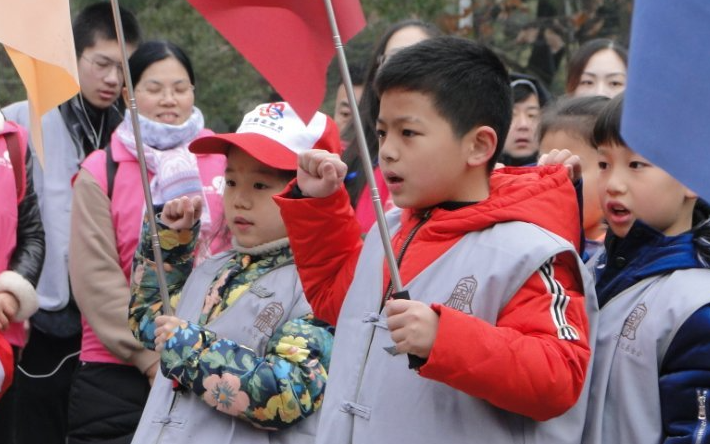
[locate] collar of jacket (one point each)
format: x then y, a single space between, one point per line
644 252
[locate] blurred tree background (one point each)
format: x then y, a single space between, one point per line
532 36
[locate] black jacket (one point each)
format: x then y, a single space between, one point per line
28 257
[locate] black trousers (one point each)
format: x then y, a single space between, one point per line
34 410
106 403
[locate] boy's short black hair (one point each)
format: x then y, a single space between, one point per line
468 83
96 21
607 129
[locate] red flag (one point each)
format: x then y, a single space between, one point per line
288 41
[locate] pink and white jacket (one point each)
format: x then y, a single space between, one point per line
105 235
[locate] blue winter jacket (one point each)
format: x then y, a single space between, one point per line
685 371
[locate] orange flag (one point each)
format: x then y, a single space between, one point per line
288 41
38 37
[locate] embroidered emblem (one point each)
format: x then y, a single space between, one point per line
461 298
633 321
269 318
260 291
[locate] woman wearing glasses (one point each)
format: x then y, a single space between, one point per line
112 384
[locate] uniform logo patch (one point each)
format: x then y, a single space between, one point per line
269 318
260 291
461 298
633 321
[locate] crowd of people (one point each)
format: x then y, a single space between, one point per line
550 281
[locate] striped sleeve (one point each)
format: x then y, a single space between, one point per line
533 361
559 302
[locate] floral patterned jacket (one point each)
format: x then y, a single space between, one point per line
273 391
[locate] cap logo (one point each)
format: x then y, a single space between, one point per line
274 111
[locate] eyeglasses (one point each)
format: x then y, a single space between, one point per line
102 66
160 91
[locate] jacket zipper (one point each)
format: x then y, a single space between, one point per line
405 245
702 416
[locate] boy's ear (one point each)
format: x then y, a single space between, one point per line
481 144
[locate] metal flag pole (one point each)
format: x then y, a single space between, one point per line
362 148
155 241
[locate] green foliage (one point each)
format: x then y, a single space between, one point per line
228 87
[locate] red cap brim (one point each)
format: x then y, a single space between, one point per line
260 147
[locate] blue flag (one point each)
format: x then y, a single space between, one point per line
666 116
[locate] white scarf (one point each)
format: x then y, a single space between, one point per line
174 167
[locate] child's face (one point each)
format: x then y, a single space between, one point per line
631 188
422 160
560 140
252 215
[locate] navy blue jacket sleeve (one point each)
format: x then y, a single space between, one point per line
685 382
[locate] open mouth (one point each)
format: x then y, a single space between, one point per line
168 117
392 178
618 210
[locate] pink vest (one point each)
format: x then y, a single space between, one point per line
127 208
365 209
15 335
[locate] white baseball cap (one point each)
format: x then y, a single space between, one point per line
274 134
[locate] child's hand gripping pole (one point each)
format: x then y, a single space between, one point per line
414 361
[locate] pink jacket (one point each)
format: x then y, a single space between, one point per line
127 208
8 217
365 209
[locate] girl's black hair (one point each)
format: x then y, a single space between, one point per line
155 51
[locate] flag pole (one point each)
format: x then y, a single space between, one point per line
362 148
155 241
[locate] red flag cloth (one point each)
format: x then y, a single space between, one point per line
288 41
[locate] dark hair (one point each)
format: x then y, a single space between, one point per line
522 88
369 108
357 73
96 22
468 84
572 115
581 57
155 51
607 129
